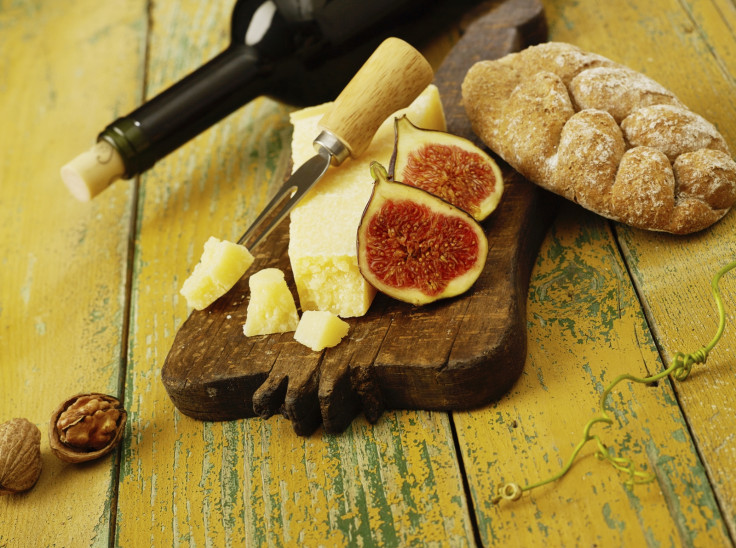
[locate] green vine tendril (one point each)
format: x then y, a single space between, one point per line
680 369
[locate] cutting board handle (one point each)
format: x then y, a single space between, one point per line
392 77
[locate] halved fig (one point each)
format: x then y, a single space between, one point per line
416 247
447 166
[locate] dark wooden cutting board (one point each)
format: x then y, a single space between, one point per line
454 354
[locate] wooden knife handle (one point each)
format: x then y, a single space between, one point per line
392 77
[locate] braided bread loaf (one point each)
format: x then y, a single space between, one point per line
602 135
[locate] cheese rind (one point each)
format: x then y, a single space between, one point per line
323 229
319 329
271 308
221 266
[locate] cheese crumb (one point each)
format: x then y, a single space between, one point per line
320 329
222 264
271 308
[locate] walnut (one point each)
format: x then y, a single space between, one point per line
20 455
86 427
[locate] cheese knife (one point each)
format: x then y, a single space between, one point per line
390 79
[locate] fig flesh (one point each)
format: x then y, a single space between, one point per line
416 247
447 166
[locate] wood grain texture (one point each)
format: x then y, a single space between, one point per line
64 68
386 361
191 482
393 484
603 299
586 326
673 274
392 77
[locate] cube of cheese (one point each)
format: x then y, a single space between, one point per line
221 266
271 308
320 329
323 229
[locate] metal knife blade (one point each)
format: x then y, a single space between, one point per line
392 77
298 184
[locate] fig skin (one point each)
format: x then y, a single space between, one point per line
448 166
445 258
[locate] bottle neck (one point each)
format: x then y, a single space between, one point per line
187 108
278 48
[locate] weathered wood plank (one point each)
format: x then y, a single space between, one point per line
396 483
65 69
587 325
674 281
188 481
673 274
62 308
585 328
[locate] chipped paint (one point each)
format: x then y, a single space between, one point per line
398 482
574 354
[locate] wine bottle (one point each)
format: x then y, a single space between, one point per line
300 52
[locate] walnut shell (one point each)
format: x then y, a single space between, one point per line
86 427
20 455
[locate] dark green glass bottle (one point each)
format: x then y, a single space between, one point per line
300 52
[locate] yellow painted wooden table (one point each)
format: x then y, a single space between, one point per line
89 302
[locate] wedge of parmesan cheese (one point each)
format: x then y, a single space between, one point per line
222 264
271 308
323 229
320 329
